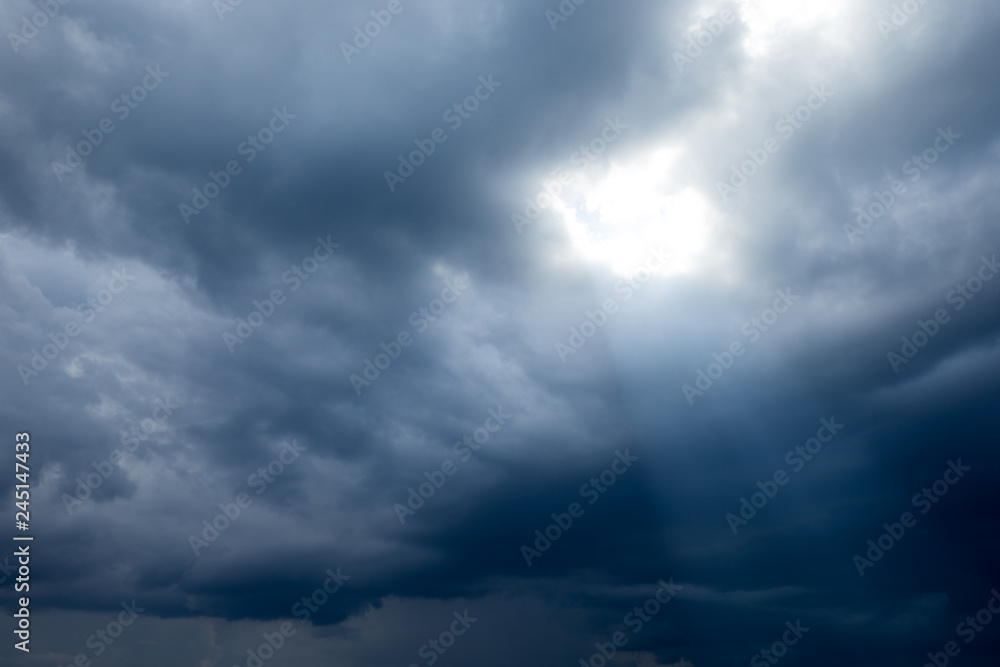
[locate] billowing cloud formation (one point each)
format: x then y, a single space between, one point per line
488 333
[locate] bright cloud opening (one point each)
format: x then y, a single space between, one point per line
616 216
768 21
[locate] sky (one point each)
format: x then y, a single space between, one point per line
457 332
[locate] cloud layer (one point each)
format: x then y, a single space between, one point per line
696 293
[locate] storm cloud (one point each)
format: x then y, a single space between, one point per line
407 332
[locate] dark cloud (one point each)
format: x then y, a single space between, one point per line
411 316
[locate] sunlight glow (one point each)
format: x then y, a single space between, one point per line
767 21
615 217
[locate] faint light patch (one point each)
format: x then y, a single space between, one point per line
74 369
769 21
105 56
449 276
106 408
480 19
616 216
